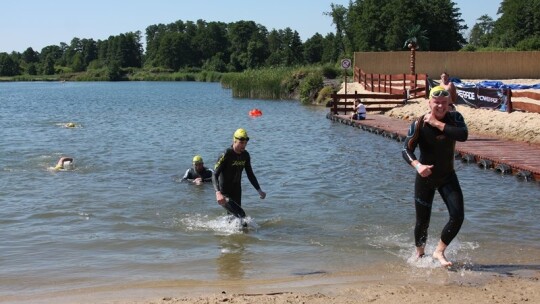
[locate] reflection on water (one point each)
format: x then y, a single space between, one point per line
232 263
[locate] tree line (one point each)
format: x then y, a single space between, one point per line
364 25
517 28
212 46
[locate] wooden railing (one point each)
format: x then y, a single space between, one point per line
412 84
341 103
523 106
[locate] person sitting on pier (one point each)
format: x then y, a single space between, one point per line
359 110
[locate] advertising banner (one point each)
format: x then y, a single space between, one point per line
479 97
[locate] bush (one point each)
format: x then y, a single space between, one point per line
323 97
469 48
529 44
310 86
330 71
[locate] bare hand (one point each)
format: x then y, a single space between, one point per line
424 170
220 198
262 194
430 119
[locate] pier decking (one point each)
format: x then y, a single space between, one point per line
504 156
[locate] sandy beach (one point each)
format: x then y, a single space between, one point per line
386 285
519 126
497 290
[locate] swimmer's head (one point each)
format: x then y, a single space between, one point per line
197 159
70 125
438 91
241 135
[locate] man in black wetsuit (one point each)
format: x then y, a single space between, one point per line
228 171
198 173
436 134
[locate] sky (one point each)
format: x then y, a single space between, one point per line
38 23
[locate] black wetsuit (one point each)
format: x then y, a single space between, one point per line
192 174
228 174
437 149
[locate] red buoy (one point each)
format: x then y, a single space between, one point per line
255 112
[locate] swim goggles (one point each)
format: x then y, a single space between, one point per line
440 93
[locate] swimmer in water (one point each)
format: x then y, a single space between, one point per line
198 173
63 163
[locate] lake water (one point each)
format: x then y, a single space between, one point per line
339 199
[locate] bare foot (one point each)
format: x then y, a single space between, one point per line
439 255
420 252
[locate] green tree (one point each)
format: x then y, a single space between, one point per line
77 63
275 48
481 32
89 51
30 56
339 19
53 51
48 64
240 34
32 69
520 19
313 49
381 25
114 72
330 54
416 38
444 27
75 47
292 48
210 39
365 27
8 66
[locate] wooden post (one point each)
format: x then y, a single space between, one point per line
345 72
334 106
509 100
426 90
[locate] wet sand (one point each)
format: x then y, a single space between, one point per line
386 284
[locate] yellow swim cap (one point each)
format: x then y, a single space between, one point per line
438 91
240 134
197 159
70 125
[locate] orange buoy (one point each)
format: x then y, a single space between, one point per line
255 112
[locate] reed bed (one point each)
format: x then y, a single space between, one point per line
258 84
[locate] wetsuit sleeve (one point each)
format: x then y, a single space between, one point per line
411 141
208 175
186 175
456 129
251 175
217 170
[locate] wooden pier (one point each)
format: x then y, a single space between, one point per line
504 156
